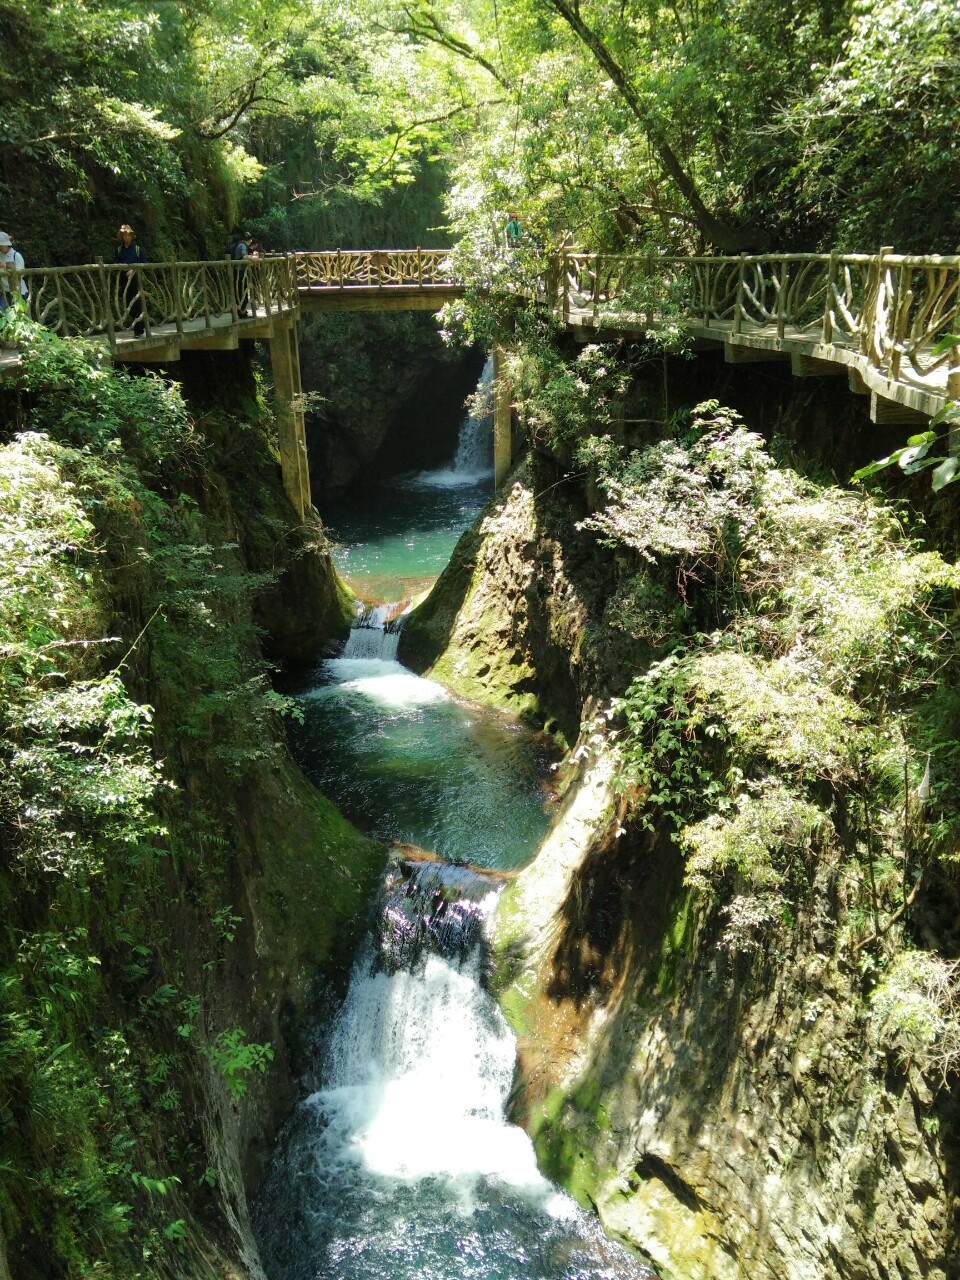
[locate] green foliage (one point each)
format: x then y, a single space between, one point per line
80 399
125 613
916 455
660 752
235 1058
916 1013
755 847
812 664
154 1186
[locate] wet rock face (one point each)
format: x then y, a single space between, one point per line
388 397
727 1113
507 622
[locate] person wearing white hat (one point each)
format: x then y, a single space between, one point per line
12 258
130 252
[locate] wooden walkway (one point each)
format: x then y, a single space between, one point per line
376 280
875 319
165 343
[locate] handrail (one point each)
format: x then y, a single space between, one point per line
374 268
884 313
106 299
891 309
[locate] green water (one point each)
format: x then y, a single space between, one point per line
408 762
389 542
399 1162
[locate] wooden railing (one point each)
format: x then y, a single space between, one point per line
374 268
882 313
108 299
892 310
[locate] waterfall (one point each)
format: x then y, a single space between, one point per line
401 1164
473 461
372 637
474 456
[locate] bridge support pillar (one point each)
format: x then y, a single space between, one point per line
285 363
502 420
953 395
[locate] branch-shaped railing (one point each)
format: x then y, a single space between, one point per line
885 312
374 268
891 309
113 300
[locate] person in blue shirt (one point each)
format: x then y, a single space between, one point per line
130 252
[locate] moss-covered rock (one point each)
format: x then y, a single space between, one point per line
172 888
705 1068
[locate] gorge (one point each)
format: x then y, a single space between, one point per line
407 875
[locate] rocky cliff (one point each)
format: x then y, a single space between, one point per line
173 890
731 1109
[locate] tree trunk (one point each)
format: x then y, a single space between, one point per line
719 233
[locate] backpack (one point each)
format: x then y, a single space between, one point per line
235 250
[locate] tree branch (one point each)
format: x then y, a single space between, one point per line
425 24
717 232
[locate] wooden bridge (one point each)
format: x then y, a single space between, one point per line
376 280
874 319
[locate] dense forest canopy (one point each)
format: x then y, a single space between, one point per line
694 124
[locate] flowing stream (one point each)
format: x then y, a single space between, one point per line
399 1161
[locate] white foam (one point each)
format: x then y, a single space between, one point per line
421 1067
383 682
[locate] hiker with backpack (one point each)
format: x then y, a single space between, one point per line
10 282
240 251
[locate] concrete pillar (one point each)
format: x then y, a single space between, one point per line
299 418
285 364
502 420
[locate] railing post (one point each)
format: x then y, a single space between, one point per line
340 268
144 313
900 319
231 294
565 272
705 298
782 297
419 268
177 298
105 299
595 291
257 292
61 308
826 331
869 345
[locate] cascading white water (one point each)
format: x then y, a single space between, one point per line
474 456
473 461
428 1043
402 1165
399 1163
371 638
